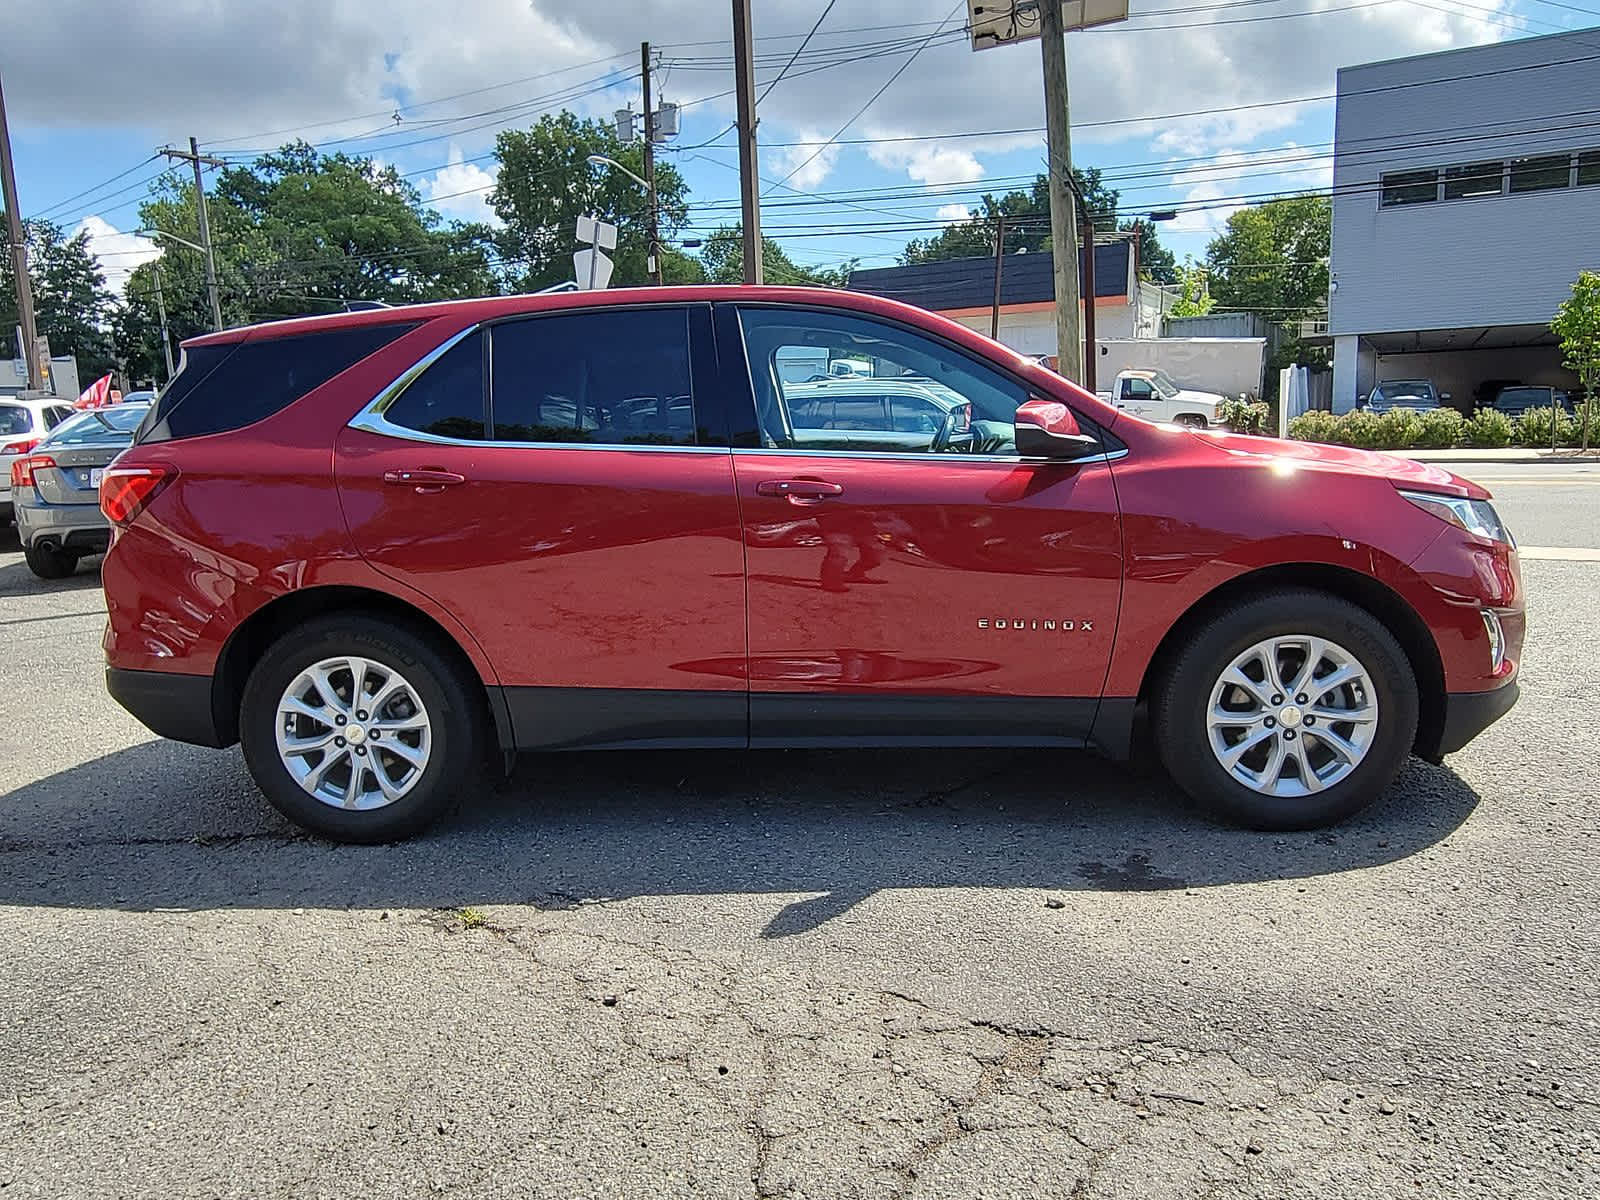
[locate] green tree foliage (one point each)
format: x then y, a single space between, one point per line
1156 262
70 300
1272 259
546 184
1027 214
722 258
1577 324
1195 299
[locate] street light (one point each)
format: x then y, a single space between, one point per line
211 267
155 233
600 160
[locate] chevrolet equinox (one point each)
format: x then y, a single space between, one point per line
386 549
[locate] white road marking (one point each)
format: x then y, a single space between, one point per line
1561 553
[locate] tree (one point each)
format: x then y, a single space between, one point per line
1027 216
71 304
546 184
1195 299
1577 324
1156 262
722 258
1272 259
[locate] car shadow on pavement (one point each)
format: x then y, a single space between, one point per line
163 825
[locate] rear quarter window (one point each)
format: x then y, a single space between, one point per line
226 387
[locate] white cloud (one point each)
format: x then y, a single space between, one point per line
117 253
929 163
461 189
810 163
953 213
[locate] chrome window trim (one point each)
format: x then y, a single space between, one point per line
371 419
923 456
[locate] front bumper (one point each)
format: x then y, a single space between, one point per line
168 704
1467 714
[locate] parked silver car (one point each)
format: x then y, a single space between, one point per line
23 423
55 488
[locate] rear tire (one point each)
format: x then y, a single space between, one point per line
1258 754
420 743
47 562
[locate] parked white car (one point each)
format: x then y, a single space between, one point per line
1153 396
23 423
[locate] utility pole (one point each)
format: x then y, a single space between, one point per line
161 309
654 263
1063 225
744 77
19 257
195 158
999 258
1089 348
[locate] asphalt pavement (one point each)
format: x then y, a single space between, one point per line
831 975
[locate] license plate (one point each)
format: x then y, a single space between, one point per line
95 476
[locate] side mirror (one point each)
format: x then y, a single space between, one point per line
1445 396
1047 429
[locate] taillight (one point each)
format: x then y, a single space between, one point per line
126 490
23 468
21 447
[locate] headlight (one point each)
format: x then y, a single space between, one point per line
1475 516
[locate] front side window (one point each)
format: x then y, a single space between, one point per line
447 398
618 377
881 387
1472 180
56 414
1410 187
1140 389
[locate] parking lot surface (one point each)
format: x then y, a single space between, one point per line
909 974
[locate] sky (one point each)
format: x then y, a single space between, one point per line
1197 105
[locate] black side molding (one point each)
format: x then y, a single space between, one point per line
572 718
170 705
801 719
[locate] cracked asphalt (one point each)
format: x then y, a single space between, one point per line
897 975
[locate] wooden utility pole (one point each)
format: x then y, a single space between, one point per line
195 158
19 258
999 259
744 77
1063 223
654 263
1089 349
161 310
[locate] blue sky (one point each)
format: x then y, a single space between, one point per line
244 77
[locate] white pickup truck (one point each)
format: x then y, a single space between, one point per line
1154 397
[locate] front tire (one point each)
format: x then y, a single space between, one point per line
47 562
361 730
1290 710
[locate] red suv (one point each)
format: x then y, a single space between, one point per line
385 549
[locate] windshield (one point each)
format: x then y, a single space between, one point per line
1163 384
99 426
1405 389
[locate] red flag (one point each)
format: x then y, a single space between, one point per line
96 395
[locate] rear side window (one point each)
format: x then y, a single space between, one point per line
226 387
15 419
447 398
609 378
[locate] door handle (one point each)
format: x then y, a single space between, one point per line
800 491
426 480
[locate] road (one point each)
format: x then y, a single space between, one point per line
805 975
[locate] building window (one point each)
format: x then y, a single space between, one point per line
1542 174
1410 187
1472 180
1588 167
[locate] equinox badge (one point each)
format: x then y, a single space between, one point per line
1025 623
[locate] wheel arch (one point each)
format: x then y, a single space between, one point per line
273 619
1377 598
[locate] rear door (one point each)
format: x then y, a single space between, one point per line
949 594
562 484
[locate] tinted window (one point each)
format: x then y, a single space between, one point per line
1589 168
229 386
609 378
1472 179
15 419
56 414
447 399
99 427
1410 187
1541 174
916 395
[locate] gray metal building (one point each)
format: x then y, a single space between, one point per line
1466 201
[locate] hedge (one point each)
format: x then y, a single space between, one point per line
1441 428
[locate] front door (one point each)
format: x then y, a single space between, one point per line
555 484
913 580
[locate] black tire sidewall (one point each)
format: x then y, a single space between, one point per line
446 693
1181 707
49 563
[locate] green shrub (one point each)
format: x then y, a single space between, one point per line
1440 428
1399 429
1490 428
1533 427
1315 426
1362 429
1573 428
1243 416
